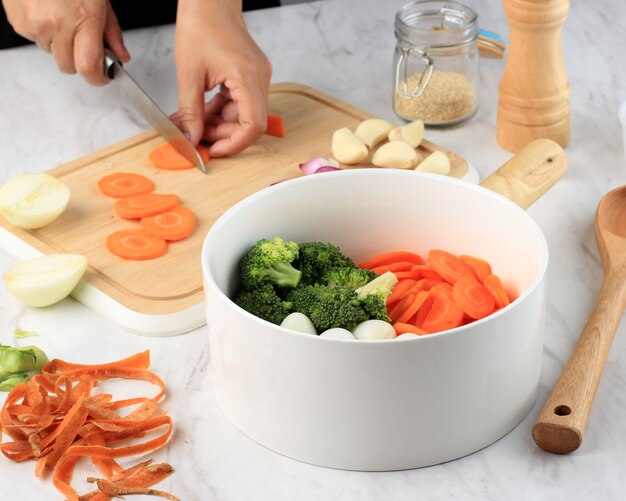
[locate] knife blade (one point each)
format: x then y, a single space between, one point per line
149 110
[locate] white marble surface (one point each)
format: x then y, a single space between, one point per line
343 47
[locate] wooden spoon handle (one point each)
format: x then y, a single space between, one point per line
530 173
560 426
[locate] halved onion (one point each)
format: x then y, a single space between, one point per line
45 280
33 200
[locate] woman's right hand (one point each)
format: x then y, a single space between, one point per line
74 31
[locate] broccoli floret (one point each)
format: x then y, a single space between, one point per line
373 296
351 277
375 305
270 261
328 307
317 258
264 303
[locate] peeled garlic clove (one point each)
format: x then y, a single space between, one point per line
374 329
337 333
45 280
396 154
437 162
298 322
33 200
373 131
411 133
407 335
347 148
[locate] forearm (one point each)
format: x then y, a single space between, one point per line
217 13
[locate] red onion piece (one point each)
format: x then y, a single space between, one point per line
326 168
312 166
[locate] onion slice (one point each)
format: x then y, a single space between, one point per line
312 166
33 200
45 280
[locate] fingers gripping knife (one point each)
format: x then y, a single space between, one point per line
149 110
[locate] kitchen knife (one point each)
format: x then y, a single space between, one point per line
149 110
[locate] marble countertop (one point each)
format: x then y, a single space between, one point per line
343 47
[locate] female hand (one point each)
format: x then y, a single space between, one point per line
213 48
74 31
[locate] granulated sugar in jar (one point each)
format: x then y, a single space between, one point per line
436 63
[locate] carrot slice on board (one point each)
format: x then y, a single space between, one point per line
493 284
275 126
125 184
391 257
474 299
167 157
402 328
136 245
480 267
449 266
145 205
174 224
444 314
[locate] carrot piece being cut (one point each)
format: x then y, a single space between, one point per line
480 267
474 299
145 205
167 157
125 184
391 257
136 245
174 224
449 266
493 284
275 126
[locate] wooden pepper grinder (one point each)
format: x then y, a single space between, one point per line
534 90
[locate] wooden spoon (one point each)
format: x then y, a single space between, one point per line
561 424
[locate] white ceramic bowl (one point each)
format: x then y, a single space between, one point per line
378 405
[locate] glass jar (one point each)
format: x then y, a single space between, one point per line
436 63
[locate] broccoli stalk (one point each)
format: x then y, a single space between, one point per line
18 365
270 261
264 303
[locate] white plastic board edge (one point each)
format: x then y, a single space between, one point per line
170 324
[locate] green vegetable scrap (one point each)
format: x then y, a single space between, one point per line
318 258
328 307
21 333
270 261
264 303
18 365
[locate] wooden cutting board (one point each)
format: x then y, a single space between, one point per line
164 296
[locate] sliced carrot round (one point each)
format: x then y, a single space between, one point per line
125 184
480 267
174 224
403 328
444 314
167 157
390 257
493 284
136 245
145 205
473 298
449 266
